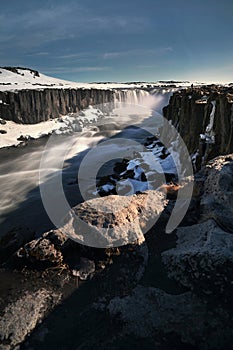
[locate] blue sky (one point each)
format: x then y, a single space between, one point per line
124 40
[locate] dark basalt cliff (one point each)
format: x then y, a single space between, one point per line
34 106
190 112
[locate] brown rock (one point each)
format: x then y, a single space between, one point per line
114 220
45 250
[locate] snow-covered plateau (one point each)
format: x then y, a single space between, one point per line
24 78
24 114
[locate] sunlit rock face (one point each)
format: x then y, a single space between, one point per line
114 221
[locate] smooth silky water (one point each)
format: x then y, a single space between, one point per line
21 203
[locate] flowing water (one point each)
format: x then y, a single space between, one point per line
21 203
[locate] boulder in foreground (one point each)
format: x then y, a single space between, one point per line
114 221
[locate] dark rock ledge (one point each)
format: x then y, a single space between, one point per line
168 292
58 263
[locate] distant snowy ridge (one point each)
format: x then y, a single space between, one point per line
18 78
21 78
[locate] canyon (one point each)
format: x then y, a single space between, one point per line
160 290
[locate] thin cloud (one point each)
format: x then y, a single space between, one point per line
146 66
62 70
137 52
75 55
42 53
38 26
91 69
132 24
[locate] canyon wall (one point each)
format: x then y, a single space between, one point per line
204 119
34 106
205 111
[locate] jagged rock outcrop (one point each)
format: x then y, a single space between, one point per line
34 106
217 197
203 257
190 112
45 251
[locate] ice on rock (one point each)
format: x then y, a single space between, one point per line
130 186
132 164
107 187
209 127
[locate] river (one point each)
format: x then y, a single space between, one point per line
21 203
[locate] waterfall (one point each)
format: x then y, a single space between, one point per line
138 100
131 96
